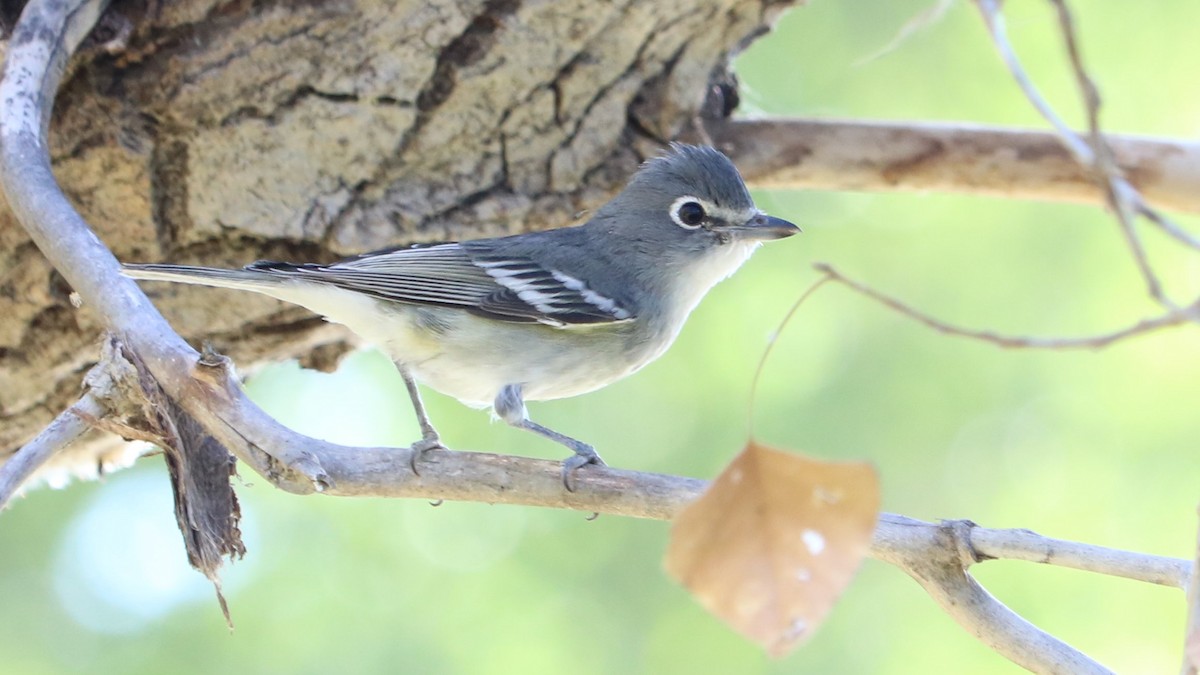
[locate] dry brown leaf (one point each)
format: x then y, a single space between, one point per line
774 541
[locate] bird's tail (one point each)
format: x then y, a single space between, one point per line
247 280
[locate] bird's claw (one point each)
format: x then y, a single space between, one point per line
420 448
577 461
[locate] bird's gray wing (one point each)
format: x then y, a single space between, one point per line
485 281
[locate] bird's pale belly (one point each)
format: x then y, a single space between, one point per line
472 359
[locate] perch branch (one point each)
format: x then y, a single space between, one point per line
69 425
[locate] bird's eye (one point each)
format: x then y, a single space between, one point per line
688 213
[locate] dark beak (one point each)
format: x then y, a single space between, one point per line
765 228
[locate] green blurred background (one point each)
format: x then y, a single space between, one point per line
1098 447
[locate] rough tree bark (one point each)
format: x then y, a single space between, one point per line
224 132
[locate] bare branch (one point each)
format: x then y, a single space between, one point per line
994 19
1122 201
931 554
1124 198
1166 224
1121 207
1087 88
1173 317
796 153
1095 154
69 425
937 556
1032 547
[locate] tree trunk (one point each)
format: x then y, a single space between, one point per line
220 133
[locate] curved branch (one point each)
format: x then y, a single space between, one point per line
37 52
816 154
937 557
64 429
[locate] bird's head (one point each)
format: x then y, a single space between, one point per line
688 217
690 199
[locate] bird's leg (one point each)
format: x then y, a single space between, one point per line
429 436
584 453
510 407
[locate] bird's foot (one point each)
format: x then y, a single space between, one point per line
432 442
584 455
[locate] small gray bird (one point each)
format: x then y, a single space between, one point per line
535 316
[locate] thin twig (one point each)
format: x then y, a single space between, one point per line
1120 196
1102 161
1122 208
1095 154
1173 317
1010 544
1165 224
994 20
69 425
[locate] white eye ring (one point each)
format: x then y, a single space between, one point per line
684 201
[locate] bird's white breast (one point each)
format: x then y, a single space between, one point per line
699 277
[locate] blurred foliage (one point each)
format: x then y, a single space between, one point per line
1092 446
